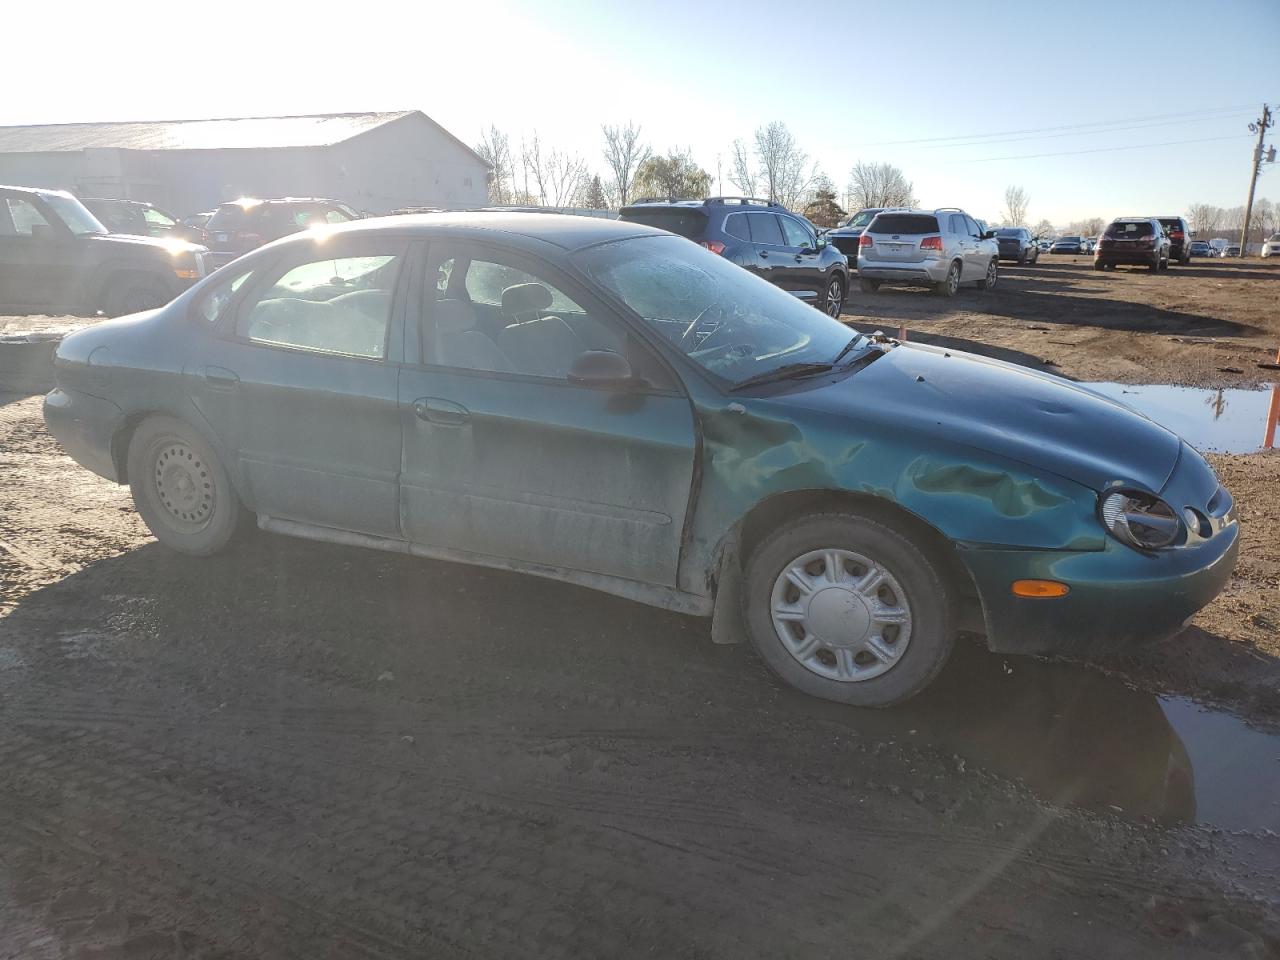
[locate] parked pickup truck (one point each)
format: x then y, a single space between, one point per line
56 257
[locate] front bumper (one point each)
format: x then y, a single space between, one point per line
1119 597
85 426
924 271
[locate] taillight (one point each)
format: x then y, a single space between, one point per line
715 246
931 243
865 241
1147 242
1176 235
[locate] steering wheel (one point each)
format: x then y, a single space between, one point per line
693 326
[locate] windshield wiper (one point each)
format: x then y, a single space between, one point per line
844 351
788 371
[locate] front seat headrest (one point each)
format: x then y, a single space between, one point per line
525 298
453 316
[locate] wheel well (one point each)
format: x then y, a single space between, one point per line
120 443
769 514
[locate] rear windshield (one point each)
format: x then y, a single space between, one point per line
1008 232
1127 230
229 216
903 223
687 223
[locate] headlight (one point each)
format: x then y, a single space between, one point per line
1141 520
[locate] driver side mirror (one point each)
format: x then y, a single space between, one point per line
989 235
602 368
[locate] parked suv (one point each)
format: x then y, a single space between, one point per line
238 227
1271 247
1017 243
1179 238
763 237
845 237
1137 241
56 257
944 248
140 219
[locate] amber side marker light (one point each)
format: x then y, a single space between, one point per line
1040 589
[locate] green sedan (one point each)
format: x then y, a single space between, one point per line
613 406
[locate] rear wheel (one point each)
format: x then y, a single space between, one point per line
869 286
949 286
848 609
180 489
835 297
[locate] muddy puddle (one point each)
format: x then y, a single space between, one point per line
1076 737
1217 421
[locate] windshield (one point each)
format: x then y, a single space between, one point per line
728 321
861 218
74 214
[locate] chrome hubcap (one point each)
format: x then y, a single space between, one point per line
183 485
841 615
953 279
833 299
991 275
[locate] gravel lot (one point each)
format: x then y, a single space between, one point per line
300 750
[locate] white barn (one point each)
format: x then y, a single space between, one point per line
373 161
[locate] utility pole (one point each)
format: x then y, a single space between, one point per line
1261 126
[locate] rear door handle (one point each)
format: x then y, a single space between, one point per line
220 378
444 412
765 254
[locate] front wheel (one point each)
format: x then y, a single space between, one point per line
835 297
949 286
848 609
180 489
989 281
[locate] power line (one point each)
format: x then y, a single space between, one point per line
1067 126
1234 115
1070 153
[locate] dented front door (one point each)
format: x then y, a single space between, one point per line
542 472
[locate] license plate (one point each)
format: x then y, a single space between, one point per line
220 237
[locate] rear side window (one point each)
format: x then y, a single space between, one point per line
735 225
1126 231
765 229
904 223
686 223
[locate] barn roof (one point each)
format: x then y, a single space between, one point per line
315 130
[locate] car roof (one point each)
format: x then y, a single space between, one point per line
39 191
518 229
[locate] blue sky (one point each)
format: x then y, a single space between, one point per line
851 80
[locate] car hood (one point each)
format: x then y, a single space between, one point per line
1013 412
160 245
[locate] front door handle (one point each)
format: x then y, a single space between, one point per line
220 378
765 254
444 412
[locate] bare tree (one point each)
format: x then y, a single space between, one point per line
1233 219
784 168
674 175
879 185
495 149
1266 217
1016 203
1204 217
741 174
624 153
557 176
1044 229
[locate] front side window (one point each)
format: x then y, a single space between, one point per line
731 323
337 305
490 314
796 234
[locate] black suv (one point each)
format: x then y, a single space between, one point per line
763 237
243 225
1017 243
1179 238
139 218
55 257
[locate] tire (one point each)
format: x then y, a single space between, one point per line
835 298
1099 265
134 293
991 279
1022 259
180 489
1155 264
860 660
950 286
869 286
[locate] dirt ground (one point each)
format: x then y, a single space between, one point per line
302 750
1209 324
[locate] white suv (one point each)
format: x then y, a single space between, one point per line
1271 248
943 248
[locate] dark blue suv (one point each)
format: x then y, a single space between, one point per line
765 238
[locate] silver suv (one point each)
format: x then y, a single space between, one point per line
943 248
